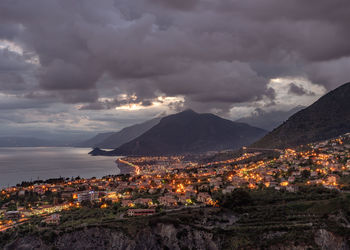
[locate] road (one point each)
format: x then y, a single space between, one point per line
22 221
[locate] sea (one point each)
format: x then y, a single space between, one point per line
41 163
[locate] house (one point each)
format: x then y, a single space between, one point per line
228 190
168 201
182 198
66 195
88 196
2 212
203 197
273 184
112 196
39 190
144 201
268 178
69 189
12 215
314 174
53 219
127 203
21 193
190 194
152 190
292 188
291 179
333 179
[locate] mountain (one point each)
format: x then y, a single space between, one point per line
190 132
9 141
116 139
328 117
92 142
269 120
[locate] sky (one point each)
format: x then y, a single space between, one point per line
75 68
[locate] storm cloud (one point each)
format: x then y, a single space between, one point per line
299 90
215 55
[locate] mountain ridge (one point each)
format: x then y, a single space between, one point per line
190 132
113 140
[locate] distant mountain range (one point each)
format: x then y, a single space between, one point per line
94 141
269 120
328 117
113 140
189 132
11 141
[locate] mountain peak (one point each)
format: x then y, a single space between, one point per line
190 132
188 111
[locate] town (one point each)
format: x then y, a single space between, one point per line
169 183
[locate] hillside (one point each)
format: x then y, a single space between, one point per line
92 142
328 117
314 219
116 139
189 132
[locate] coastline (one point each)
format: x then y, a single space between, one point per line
33 163
121 170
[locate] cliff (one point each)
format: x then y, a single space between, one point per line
205 228
167 236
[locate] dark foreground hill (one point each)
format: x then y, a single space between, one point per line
190 132
326 118
116 139
312 218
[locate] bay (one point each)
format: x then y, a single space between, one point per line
29 164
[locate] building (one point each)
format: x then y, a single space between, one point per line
167 201
12 215
144 201
128 203
333 179
87 196
203 197
291 179
53 219
228 190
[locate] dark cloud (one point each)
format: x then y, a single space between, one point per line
116 102
179 4
214 53
330 73
11 62
299 90
9 30
13 72
11 81
77 96
22 105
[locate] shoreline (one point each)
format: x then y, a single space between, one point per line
123 170
29 164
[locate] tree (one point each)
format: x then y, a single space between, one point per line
305 174
237 198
